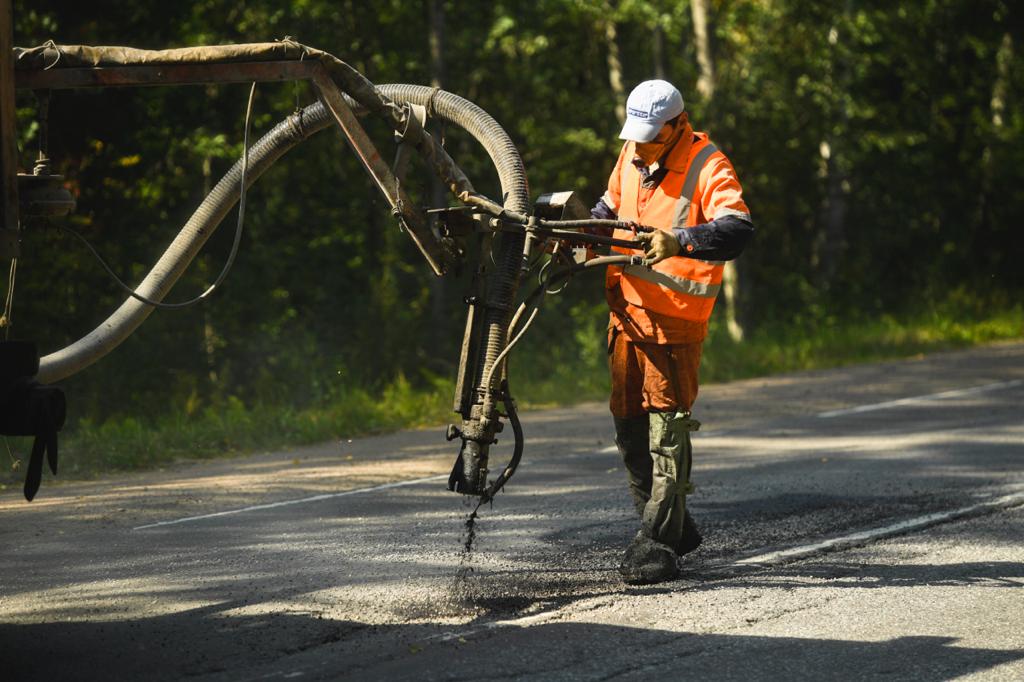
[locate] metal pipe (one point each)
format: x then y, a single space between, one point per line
165 74
375 166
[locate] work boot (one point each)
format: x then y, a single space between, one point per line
631 437
664 515
648 561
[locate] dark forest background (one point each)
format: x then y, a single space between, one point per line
880 146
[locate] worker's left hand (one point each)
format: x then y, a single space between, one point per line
659 245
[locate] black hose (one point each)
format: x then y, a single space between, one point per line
595 222
517 450
234 244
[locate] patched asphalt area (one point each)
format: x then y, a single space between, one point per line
375 585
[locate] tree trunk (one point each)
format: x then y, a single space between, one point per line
701 11
658 51
209 333
615 68
831 240
437 35
1000 87
1004 59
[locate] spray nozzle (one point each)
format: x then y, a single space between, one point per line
469 475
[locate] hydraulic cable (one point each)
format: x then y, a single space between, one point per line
534 300
541 290
517 451
6 316
234 246
511 344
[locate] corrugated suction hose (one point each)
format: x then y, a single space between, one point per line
290 132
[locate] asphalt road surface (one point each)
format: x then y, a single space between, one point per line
862 523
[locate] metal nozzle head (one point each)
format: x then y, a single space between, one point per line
469 475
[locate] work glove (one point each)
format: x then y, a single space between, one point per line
659 245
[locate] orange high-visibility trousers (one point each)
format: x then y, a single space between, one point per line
651 377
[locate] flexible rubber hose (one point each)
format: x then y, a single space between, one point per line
296 128
478 123
512 176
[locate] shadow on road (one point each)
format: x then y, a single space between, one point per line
204 643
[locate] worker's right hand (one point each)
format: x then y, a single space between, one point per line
659 245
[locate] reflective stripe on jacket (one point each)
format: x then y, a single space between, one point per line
699 186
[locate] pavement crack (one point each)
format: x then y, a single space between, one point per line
778 613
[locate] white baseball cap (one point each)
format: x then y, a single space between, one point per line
649 107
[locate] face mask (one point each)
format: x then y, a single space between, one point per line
649 152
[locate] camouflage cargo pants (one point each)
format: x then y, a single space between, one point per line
653 388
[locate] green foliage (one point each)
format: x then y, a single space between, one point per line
821 340
879 145
135 442
816 342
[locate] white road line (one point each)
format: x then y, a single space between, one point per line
494 625
315 498
777 557
922 398
863 537
288 503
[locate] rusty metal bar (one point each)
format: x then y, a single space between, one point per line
8 139
262 71
164 74
364 148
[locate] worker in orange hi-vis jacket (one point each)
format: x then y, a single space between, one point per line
674 179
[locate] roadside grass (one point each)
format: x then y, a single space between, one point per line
825 343
127 443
